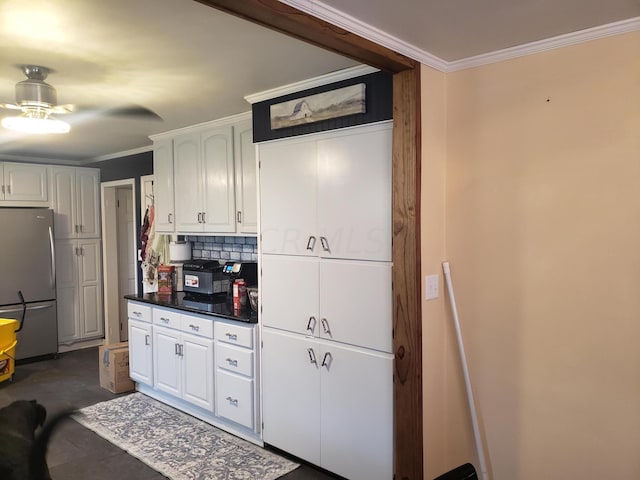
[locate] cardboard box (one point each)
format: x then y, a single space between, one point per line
114 368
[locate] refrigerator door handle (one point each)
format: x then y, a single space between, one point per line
53 259
29 308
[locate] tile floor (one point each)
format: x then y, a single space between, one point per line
71 381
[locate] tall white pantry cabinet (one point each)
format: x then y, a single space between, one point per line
326 296
75 196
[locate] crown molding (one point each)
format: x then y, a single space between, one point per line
126 153
199 127
581 36
352 24
326 79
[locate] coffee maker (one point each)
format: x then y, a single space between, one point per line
245 270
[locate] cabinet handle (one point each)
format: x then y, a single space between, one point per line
233 401
311 324
233 363
195 328
204 217
77 254
9 189
82 251
327 360
181 350
76 228
81 228
325 244
239 216
325 326
137 314
3 189
311 242
165 320
177 348
146 340
231 336
199 217
169 218
312 356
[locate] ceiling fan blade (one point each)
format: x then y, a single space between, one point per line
132 111
62 109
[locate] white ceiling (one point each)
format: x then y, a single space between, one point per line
190 63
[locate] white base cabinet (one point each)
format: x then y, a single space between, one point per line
140 341
171 356
335 408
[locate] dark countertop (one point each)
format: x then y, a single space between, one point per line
217 305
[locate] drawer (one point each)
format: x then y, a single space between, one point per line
139 311
234 359
167 318
234 398
233 334
197 326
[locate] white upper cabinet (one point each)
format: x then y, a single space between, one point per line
23 184
75 196
207 179
244 152
328 195
163 186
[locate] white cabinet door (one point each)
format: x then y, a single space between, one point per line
356 303
88 204
140 351
288 178
246 178
25 183
219 192
68 303
75 197
63 201
163 186
234 398
357 412
167 367
354 194
289 288
188 183
291 394
197 371
90 288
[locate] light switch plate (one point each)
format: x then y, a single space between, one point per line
431 286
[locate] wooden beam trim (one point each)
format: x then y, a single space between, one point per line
295 23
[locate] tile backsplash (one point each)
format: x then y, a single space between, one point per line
224 248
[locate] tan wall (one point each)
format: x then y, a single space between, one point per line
447 442
543 236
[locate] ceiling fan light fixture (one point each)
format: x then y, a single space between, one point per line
36 121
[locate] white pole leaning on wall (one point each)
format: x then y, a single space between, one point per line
465 369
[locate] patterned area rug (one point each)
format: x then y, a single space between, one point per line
177 445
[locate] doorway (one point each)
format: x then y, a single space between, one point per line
119 255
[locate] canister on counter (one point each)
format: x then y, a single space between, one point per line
165 279
239 293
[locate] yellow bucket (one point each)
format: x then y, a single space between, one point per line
8 344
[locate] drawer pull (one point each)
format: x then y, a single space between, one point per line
327 360
137 314
233 363
195 328
311 242
146 340
325 326
165 319
177 348
233 401
231 336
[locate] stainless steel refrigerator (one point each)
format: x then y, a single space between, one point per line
27 265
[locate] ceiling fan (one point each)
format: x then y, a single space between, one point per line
38 102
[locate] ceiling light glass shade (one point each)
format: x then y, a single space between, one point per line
37 122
